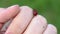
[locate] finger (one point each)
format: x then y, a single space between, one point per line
51 29
21 21
8 13
37 25
1 9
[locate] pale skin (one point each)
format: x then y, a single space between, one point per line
24 22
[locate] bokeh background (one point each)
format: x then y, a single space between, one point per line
50 9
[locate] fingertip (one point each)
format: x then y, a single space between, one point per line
13 6
41 18
9 13
53 28
37 25
26 8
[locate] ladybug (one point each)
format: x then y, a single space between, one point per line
35 12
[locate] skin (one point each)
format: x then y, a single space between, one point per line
39 22
21 21
9 13
24 21
51 29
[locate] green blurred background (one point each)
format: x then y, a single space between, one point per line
48 8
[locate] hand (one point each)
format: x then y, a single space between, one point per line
24 21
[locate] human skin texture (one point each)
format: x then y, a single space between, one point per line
51 29
39 22
8 13
24 20
21 20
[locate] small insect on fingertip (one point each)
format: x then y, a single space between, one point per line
35 12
